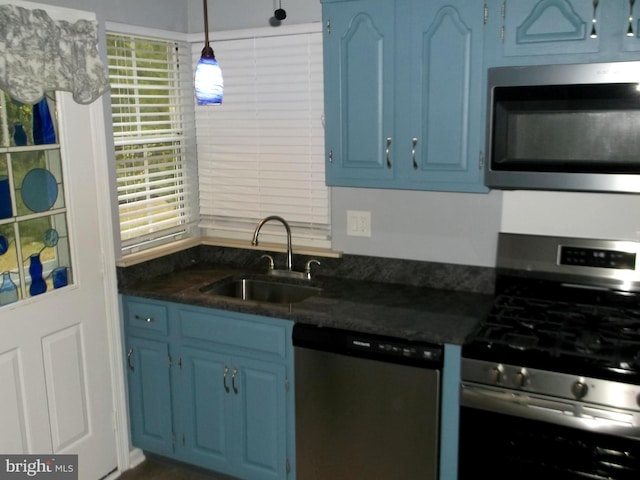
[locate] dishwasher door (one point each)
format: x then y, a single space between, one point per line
363 418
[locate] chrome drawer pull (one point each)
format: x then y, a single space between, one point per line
147 319
414 142
224 379
129 355
233 380
387 152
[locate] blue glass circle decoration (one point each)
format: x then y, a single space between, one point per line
50 237
39 190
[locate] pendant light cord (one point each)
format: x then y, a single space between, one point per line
207 51
206 22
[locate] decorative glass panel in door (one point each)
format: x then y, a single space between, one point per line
34 240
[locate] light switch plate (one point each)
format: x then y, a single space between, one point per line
358 223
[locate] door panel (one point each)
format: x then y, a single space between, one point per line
12 419
66 387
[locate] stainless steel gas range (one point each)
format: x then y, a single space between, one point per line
551 378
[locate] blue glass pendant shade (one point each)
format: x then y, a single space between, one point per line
208 80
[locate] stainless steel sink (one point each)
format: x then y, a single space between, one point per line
259 290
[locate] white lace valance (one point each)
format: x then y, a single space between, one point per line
39 54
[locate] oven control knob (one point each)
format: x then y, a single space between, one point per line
579 389
522 378
497 374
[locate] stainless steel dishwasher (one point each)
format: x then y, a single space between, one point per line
367 406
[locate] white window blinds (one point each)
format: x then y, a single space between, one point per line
262 151
154 136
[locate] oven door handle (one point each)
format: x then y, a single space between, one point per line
561 412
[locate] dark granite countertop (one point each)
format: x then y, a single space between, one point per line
402 311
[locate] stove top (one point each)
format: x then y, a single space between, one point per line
579 320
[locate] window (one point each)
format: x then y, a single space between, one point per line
34 239
152 116
261 152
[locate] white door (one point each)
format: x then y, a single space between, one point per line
55 374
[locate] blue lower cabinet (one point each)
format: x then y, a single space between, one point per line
203 392
233 414
259 408
212 388
149 395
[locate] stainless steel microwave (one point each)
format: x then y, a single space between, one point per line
564 127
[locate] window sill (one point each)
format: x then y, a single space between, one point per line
174 247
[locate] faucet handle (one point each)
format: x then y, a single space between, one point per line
307 267
270 258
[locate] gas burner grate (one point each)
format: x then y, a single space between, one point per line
596 334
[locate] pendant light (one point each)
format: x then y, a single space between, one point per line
208 76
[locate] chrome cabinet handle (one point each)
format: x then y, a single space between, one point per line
147 319
414 142
330 156
387 152
630 27
233 380
594 33
224 379
129 355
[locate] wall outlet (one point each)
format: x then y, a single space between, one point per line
358 223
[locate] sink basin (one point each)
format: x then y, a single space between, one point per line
258 290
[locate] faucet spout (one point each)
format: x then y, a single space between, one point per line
256 232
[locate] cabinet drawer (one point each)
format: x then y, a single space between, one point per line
234 331
147 316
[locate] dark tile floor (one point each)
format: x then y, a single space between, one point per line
160 469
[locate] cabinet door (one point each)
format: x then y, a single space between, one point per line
440 86
538 32
628 16
205 409
149 395
260 418
358 77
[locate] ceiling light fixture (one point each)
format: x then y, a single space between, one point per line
280 13
208 76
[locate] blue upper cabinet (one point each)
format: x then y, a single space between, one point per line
403 86
525 32
359 75
439 95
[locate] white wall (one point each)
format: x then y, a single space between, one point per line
161 14
239 14
437 226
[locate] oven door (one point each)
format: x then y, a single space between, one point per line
497 442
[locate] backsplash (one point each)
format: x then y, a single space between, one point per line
354 267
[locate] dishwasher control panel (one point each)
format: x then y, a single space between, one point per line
400 349
373 346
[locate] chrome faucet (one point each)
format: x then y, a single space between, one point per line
254 242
